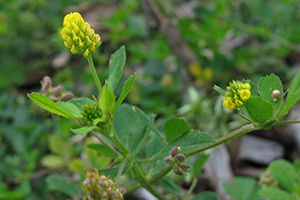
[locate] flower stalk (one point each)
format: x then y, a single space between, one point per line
95 76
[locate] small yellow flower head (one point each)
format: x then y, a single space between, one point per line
237 94
78 35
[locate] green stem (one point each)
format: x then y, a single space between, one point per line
154 178
191 189
136 170
114 138
144 160
245 129
287 122
91 63
105 143
243 116
120 172
147 185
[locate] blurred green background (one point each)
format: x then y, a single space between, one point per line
179 53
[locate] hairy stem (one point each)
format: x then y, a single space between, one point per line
135 169
105 143
140 177
91 63
245 129
287 122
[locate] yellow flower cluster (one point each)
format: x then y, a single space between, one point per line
78 35
237 94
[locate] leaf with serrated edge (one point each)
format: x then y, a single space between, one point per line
288 105
84 130
259 110
105 150
116 65
266 86
127 85
81 101
284 172
206 195
175 127
275 193
150 124
71 108
199 164
295 86
107 99
47 104
188 142
61 184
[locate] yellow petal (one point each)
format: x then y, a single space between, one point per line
229 104
86 53
247 86
72 17
244 94
238 103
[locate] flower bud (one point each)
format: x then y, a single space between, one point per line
168 159
57 90
175 151
53 98
90 112
122 190
46 84
67 96
86 171
86 182
178 172
180 158
276 95
100 187
113 194
184 166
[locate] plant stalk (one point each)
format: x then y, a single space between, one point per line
136 170
91 63
145 183
245 129
191 189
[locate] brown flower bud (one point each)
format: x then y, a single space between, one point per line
101 184
179 172
180 157
66 96
86 171
175 151
46 84
53 98
57 90
168 159
113 194
86 182
94 171
184 166
122 190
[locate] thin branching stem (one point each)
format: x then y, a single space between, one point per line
245 129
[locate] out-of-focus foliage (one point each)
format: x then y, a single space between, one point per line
231 39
